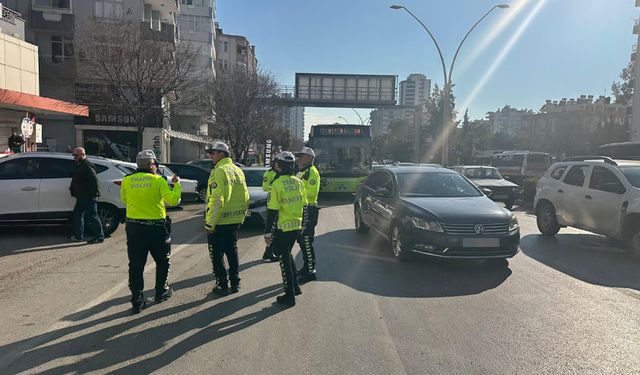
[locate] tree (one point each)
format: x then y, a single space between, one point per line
435 111
240 108
142 71
395 145
623 91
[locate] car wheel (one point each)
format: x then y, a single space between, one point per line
546 220
202 195
361 227
109 218
633 243
397 245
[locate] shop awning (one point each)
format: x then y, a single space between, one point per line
19 101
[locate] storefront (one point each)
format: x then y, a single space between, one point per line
19 112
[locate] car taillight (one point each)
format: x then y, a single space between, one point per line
118 182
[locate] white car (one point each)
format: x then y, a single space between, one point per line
257 196
189 187
34 187
596 194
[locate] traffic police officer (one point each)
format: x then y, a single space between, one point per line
311 183
147 226
284 221
267 179
227 205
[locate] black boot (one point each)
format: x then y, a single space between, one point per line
268 256
221 290
235 287
298 291
163 295
287 300
138 303
306 276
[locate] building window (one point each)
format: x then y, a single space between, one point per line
53 4
226 46
199 3
194 23
108 9
61 48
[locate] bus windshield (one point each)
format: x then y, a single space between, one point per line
342 156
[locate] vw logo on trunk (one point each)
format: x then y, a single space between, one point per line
478 228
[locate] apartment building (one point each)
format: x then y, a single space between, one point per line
415 90
20 86
507 120
234 52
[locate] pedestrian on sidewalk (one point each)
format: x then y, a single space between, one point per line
15 142
148 227
84 187
284 221
227 205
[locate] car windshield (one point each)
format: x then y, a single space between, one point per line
440 185
483 173
632 174
254 176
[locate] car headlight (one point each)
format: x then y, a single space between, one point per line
432 226
513 223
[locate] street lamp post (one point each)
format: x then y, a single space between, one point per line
446 100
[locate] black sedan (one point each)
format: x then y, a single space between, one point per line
434 211
192 172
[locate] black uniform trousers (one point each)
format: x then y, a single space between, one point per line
306 237
224 241
281 246
141 240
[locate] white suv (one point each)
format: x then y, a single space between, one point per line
34 188
597 194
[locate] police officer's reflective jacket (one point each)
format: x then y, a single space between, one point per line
267 179
227 195
145 194
286 203
311 182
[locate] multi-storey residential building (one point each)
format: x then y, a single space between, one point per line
292 118
51 25
415 90
558 124
234 52
635 127
507 120
195 28
382 118
20 86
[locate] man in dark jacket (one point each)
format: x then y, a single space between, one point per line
15 142
84 187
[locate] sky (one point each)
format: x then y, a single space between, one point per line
521 56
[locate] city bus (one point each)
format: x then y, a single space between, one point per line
343 155
517 163
622 150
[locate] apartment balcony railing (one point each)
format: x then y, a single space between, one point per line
11 22
161 32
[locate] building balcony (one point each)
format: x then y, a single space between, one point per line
167 8
64 25
636 26
159 32
11 22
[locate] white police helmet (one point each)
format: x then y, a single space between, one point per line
307 151
145 155
286 157
218 146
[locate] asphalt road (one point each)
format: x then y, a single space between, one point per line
564 305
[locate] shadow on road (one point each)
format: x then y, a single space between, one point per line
122 343
588 257
366 263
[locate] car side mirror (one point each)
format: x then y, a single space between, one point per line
487 192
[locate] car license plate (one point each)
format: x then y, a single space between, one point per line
248 213
480 242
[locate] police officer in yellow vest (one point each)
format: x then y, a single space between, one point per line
267 180
311 181
284 220
227 205
147 226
